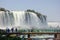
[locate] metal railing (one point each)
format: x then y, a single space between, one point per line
56 35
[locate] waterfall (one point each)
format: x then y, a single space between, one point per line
22 19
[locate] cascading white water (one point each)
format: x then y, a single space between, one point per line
22 19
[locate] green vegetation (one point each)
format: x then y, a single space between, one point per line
3 9
32 30
8 37
39 15
11 38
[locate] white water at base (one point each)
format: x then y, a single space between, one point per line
22 20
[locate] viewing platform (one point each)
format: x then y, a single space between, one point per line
56 35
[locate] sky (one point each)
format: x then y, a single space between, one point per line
50 8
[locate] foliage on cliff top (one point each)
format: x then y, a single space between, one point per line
37 13
3 9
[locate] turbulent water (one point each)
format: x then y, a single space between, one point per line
22 19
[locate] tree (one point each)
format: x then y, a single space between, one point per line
2 9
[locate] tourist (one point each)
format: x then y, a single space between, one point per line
12 29
16 30
7 30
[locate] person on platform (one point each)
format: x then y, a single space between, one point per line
16 30
12 29
7 30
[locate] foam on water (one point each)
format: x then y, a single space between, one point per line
22 19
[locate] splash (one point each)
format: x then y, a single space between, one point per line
22 19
